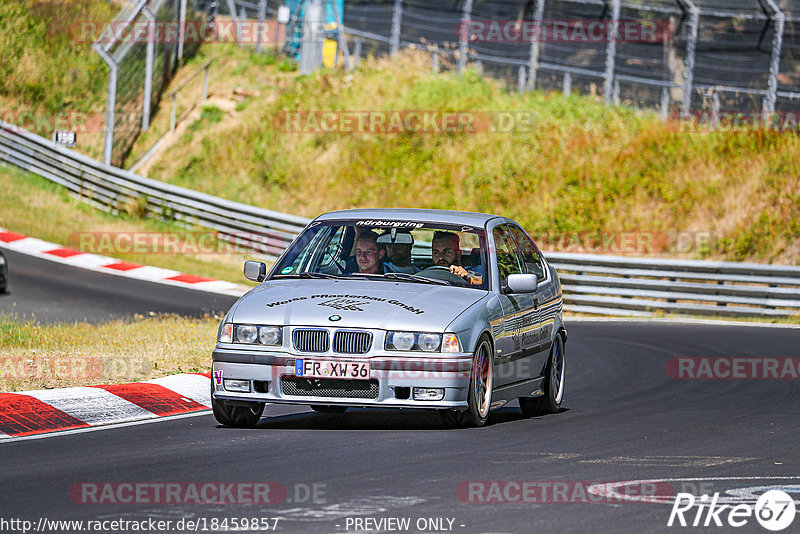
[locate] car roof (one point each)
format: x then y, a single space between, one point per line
412 215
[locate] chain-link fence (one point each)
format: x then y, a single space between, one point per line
672 55
142 47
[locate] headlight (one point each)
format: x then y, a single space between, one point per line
422 341
246 333
270 335
400 340
429 342
251 334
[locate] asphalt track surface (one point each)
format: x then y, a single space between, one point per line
624 418
49 292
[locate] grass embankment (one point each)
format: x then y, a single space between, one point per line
49 68
33 206
582 169
37 356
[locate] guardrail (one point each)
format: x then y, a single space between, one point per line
609 285
111 189
616 285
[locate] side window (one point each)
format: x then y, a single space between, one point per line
530 257
507 256
334 249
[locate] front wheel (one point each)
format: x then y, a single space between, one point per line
479 398
553 385
241 416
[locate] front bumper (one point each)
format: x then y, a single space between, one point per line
391 380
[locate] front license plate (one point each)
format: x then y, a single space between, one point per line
330 369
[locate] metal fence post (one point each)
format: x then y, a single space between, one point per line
111 103
775 62
205 82
182 29
567 89
463 35
521 79
691 47
538 16
147 102
262 15
397 20
174 115
240 25
611 52
435 61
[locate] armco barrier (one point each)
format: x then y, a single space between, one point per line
596 284
110 188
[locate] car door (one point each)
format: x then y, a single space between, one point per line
520 315
545 299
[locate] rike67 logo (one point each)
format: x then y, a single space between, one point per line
774 510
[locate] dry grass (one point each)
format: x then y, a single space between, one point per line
35 356
582 168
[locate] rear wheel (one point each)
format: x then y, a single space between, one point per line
243 416
479 398
553 385
322 408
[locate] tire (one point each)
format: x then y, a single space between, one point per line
553 384
479 398
235 415
322 408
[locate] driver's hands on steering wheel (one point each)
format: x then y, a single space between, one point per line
463 273
459 271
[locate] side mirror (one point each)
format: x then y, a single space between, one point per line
522 283
255 271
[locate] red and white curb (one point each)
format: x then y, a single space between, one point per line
104 264
27 413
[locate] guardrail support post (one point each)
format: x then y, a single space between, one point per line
533 71
205 81
691 47
521 79
775 61
397 20
463 35
664 104
567 89
611 52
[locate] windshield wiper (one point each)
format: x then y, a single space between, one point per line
309 275
414 278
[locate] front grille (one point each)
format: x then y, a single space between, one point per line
352 342
310 340
329 387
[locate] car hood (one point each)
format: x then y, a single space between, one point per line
378 304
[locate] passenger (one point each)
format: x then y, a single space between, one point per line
399 258
369 254
446 252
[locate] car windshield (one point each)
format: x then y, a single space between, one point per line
392 251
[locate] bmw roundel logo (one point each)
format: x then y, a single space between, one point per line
335 317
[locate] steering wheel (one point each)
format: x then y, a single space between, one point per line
439 272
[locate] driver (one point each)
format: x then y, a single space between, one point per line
369 254
446 252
